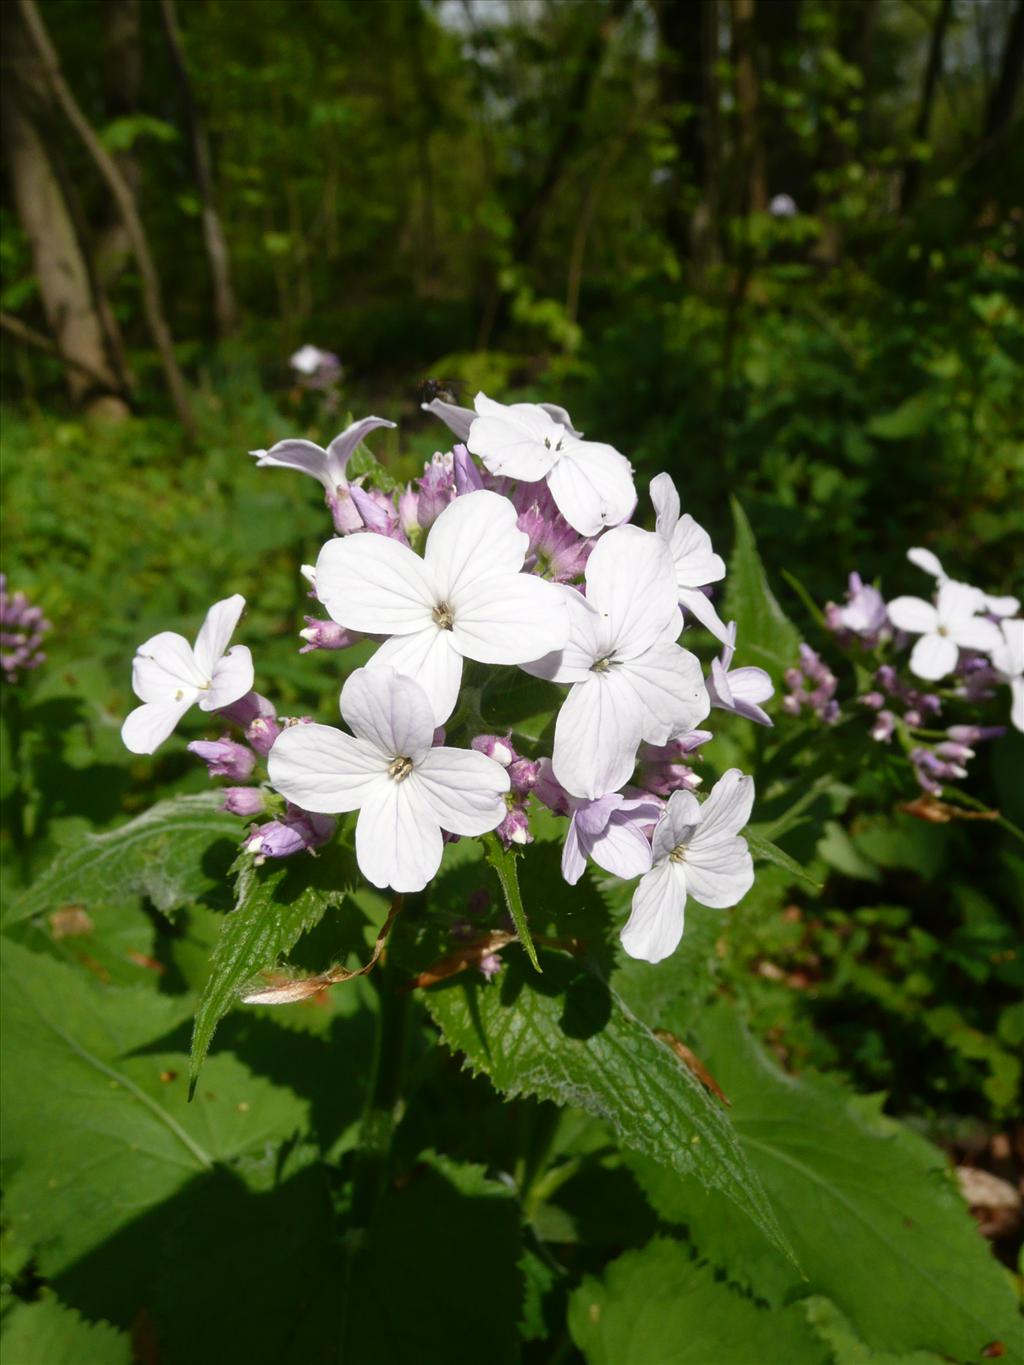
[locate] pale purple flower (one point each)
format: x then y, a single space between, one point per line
663 767
524 774
738 689
436 489
169 676
466 598
556 550
467 476
813 685
930 563
630 681
548 790
316 369
406 790
246 709
611 831
883 727
783 206
945 628
1008 659
22 627
460 420
326 465
224 758
696 852
378 512
262 732
490 965
864 616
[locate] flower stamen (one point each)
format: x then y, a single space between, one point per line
444 616
400 768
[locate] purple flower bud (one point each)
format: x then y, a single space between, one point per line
408 510
378 511
523 774
514 829
245 801
436 489
344 511
885 724
22 628
956 753
246 709
874 700
296 831
490 965
262 733
972 734
495 747
225 758
913 717
325 635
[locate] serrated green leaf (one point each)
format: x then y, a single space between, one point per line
767 852
567 1037
503 860
765 636
47 1333
878 1225
659 1306
276 904
846 1346
170 854
96 1128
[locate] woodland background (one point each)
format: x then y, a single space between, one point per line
772 246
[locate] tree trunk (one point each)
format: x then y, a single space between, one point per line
122 87
149 280
60 267
1001 103
213 235
933 70
747 99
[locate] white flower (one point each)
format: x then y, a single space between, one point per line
1008 658
459 420
944 629
630 680
696 564
930 563
406 792
466 598
696 852
306 360
592 484
170 676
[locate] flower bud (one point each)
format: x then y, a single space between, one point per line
490 965
523 774
244 801
246 709
262 733
467 477
497 748
325 635
514 829
885 724
549 790
296 831
225 758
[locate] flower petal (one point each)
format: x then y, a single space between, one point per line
655 925
667 686
388 710
295 454
374 584
215 632
509 618
697 604
558 414
456 419
676 826
597 735
696 562
913 614
431 660
719 874
1008 655
726 810
976 633
573 662
164 669
518 441
665 498
631 583
956 602
924 559
463 789
1017 703
751 684
398 841
341 449
146 728
474 536
320 768
933 656
622 849
592 485
233 676
574 861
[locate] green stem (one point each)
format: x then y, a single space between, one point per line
504 863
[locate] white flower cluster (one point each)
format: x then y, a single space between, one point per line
529 563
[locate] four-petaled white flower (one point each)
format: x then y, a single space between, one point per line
945 628
930 563
405 790
169 676
1008 658
326 465
695 562
591 483
466 598
630 680
609 830
697 852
